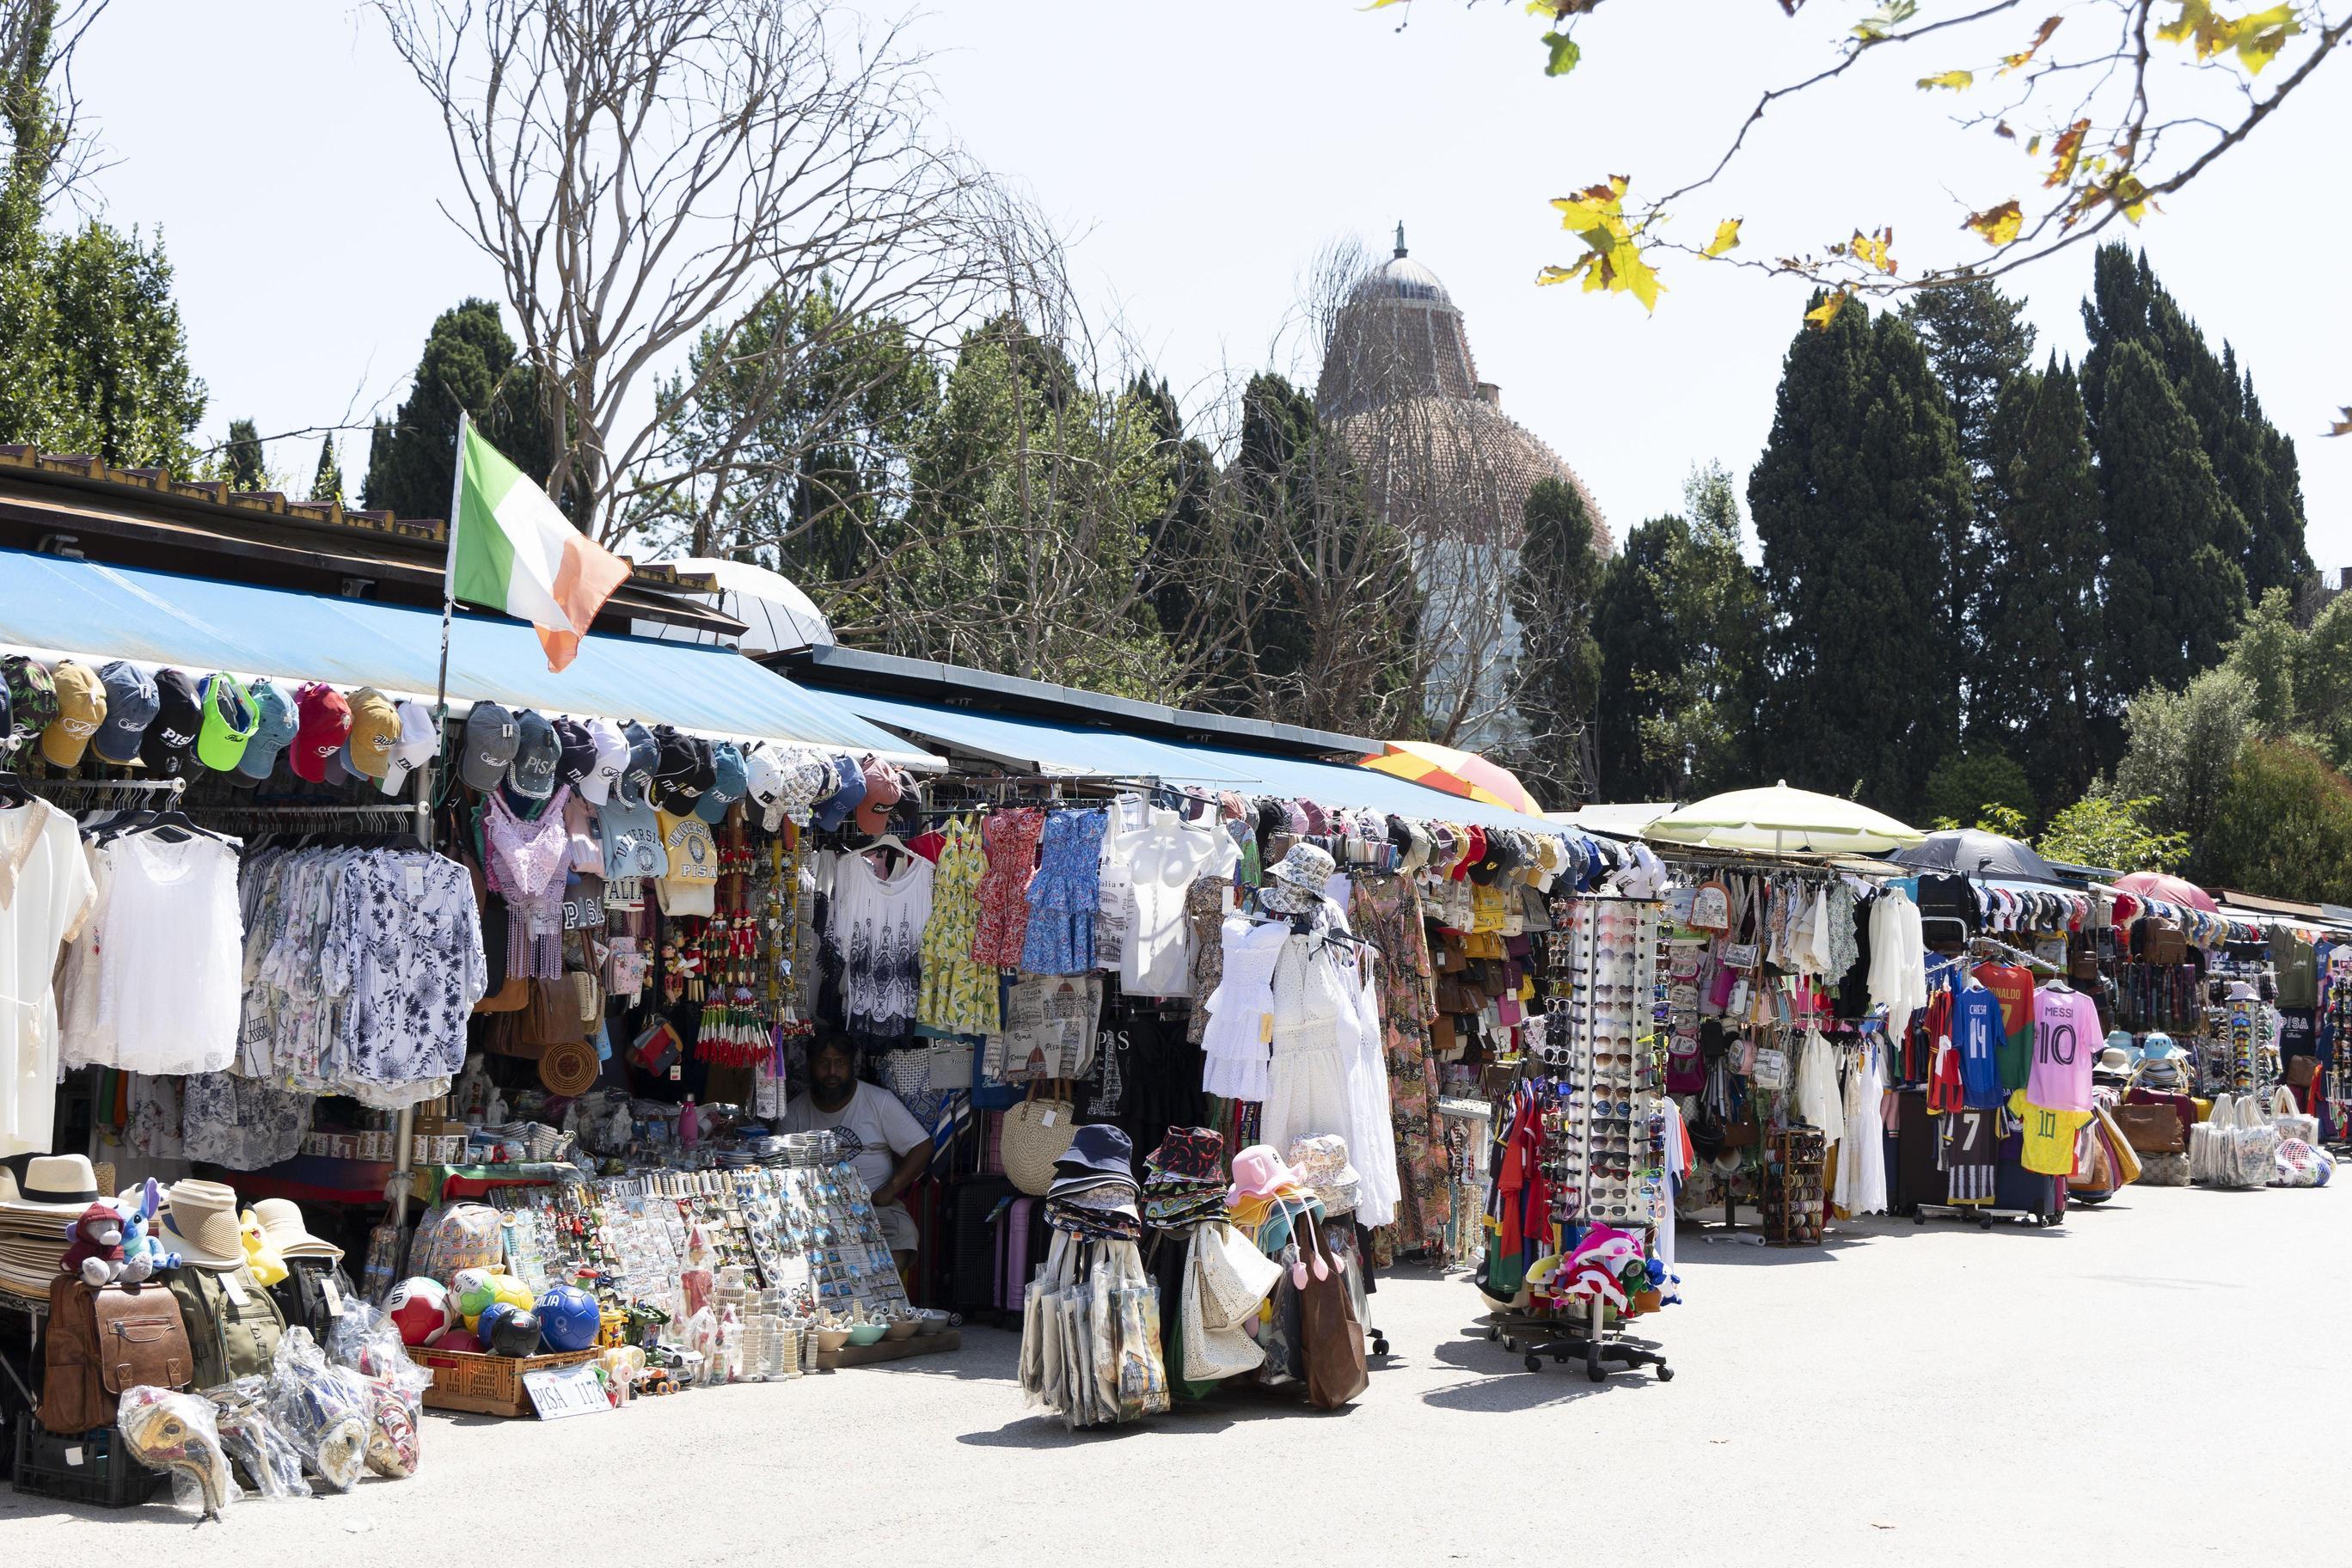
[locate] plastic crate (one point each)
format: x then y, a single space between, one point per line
90 1467
485 1385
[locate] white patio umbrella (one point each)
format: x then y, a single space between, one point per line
776 614
1781 820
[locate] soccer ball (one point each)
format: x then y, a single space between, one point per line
471 1289
419 1308
569 1317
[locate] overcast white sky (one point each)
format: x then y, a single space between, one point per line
1205 148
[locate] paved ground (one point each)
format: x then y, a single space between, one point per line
2147 1384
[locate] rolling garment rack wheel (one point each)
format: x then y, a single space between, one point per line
1666 1373
1533 1363
1592 1367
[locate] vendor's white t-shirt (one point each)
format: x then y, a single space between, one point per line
885 1127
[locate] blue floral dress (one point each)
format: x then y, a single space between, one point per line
1065 895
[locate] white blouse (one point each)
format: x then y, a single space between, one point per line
46 893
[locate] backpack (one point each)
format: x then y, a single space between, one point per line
460 1236
302 1299
233 1324
101 1342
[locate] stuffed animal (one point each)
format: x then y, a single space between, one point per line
97 1251
143 1252
260 1254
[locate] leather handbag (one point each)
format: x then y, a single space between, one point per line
511 997
142 1340
1331 1336
2152 1129
1036 1133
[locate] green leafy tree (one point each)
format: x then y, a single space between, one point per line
245 469
2175 591
1858 493
1556 677
2106 830
2283 826
2042 702
468 365
2182 746
2266 653
1965 784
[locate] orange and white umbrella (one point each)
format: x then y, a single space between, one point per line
1463 773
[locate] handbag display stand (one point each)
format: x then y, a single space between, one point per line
1589 1330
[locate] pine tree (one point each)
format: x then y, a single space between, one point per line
2044 704
327 483
1860 487
1556 675
2174 592
245 469
2253 464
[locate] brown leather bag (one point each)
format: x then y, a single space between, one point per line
1331 1338
140 1340
550 1015
74 1398
2301 1071
2152 1129
511 997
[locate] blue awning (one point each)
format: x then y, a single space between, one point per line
51 606
1084 751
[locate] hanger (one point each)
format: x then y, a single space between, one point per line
13 792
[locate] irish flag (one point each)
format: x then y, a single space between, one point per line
511 549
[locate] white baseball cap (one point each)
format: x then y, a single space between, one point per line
764 786
612 758
419 744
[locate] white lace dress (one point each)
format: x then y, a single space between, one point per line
1235 1043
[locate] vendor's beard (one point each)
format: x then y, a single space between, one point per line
830 1096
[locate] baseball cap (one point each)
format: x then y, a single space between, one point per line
338 769
612 758
82 708
882 792
576 752
420 740
685 770
375 731
635 783
229 721
492 738
130 709
536 755
32 701
324 723
168 749
848 793
273 728
729 780
763 787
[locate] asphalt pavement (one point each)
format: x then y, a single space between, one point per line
2153 1382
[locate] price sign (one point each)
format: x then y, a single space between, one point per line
565 1391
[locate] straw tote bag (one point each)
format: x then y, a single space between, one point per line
1036 1133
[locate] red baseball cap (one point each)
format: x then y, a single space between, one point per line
325 724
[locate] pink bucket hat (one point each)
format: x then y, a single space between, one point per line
1259 1172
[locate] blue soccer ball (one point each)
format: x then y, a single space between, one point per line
568 1318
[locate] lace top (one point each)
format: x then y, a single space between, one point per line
1241 1009
526 861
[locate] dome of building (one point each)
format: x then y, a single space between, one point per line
1400 384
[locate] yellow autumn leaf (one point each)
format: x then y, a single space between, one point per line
1727 237
2033 146
1614 262
2132 196
2025 55
2343 426
1956 80
1822 314
1552 274
2260 36
1999 225
1873 250
2066 152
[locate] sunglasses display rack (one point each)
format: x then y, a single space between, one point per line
1795 1199
1604 1129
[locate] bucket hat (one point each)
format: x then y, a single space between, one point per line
1098 1149
1259 1172
1189 1154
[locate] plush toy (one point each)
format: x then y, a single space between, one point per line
143 1252
260 1254
97 1251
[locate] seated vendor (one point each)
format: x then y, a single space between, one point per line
896 1149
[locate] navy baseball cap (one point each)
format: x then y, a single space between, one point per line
533 774
635 786
848 794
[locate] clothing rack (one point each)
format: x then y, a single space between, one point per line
1983 946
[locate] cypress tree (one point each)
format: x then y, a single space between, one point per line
2043 629
2175 592
2253 464
245 470
469 365
327 483
1556 674
1639 654
1860 489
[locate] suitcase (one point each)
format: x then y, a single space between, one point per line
1015 1261
2023 1193
1918 1174
973 1242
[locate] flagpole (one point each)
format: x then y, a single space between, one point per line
449 572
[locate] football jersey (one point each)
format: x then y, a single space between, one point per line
1966 1153
2066 1041
2013 984
1979 1032
2049 1135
